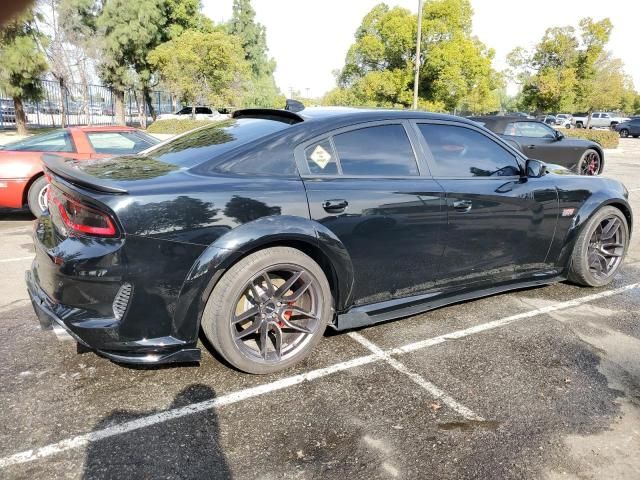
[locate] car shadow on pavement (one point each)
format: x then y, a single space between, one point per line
10 214
185 447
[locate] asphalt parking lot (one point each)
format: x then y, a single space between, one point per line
539 383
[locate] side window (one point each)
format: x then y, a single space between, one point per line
52 142
595 115
203 110
321 158
121 143
462 152
531 129
184 111
383 150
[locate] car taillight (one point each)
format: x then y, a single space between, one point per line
82 218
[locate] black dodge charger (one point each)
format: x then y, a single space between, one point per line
538 140
263 230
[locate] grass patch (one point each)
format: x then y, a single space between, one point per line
175 127
604 138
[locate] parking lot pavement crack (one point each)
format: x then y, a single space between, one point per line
434 390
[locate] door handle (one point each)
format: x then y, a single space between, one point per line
335 206
462 205
531 147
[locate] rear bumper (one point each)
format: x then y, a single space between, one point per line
52 315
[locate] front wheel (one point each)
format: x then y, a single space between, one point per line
590 163
624 133
269 310
37 196
600 248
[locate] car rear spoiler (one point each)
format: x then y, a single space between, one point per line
63 168
285 116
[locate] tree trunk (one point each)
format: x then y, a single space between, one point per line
142 114
588 125
63 103
118 95
193 111
149 101
21 117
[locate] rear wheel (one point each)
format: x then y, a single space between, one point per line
600 248
269 310
590 163
37 196
624 133
579 125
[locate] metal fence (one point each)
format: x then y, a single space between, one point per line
78 104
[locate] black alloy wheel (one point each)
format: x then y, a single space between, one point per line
269 310
590 163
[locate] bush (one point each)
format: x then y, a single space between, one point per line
176 126
604 138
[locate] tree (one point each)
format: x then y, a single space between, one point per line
125 32
202 67
22 64
455 67
261 90
569 69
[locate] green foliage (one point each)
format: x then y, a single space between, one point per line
569 70
253 38
604 138
455 67
202 67
261 89
22 63
176 126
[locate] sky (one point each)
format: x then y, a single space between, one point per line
309 39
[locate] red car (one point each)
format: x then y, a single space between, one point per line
21 176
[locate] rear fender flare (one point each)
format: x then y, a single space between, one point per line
237 243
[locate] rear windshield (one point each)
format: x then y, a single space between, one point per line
209 142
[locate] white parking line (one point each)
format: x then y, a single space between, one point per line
16 259
428 386
241 395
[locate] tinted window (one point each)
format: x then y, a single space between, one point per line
321 158
184 111
120 143
59 141
529 129
461 152
204 110
383 151
210 142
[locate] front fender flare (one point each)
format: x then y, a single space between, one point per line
261 233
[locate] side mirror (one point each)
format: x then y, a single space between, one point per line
559 135
536 168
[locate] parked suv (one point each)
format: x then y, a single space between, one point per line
630 128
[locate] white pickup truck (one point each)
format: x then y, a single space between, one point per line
598 119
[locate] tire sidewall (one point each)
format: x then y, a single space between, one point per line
223 300
624 133
36 187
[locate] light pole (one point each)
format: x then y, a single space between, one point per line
418 41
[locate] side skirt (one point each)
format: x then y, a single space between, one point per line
404 307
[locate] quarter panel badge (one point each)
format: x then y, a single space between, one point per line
568 212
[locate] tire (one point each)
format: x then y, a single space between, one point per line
590 163
581 270
624 133
36 197
579 125
243 289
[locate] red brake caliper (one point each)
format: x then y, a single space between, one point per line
287 315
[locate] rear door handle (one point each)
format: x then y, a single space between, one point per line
462 205
531 147
335 206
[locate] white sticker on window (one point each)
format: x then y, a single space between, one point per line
320 156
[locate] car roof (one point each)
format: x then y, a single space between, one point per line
329 116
